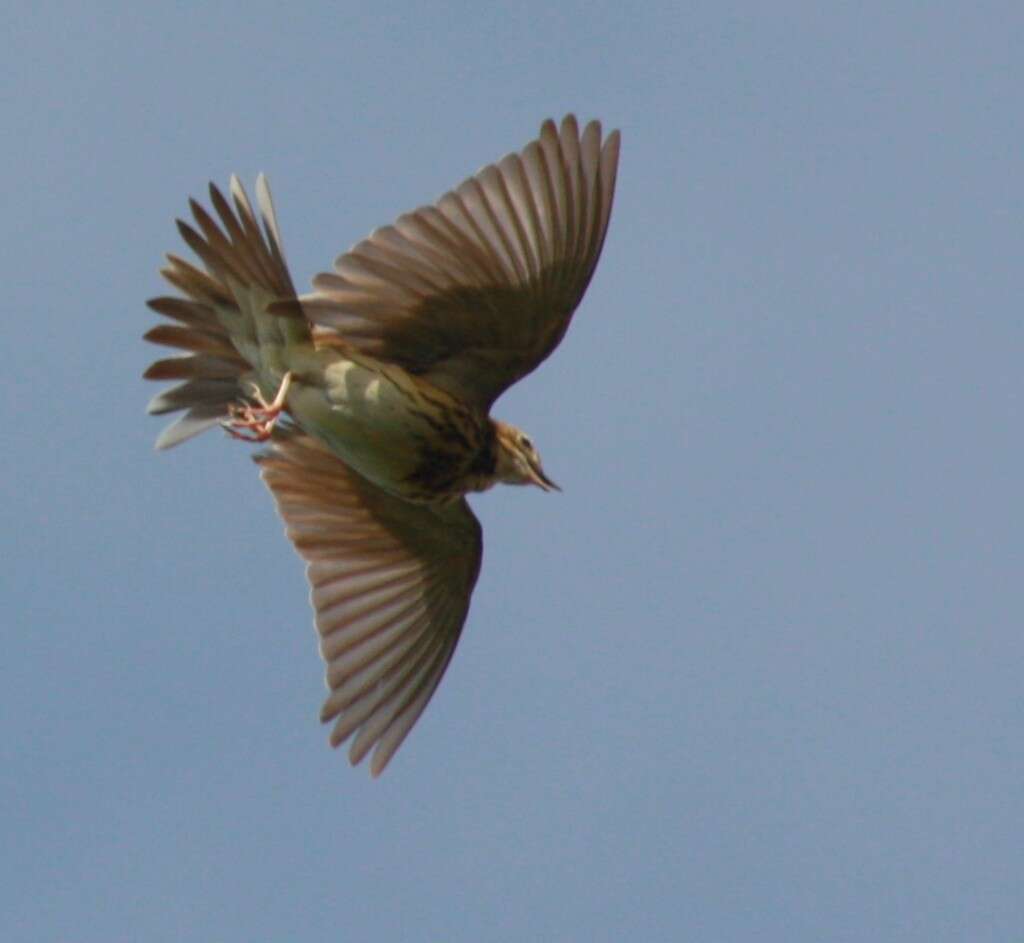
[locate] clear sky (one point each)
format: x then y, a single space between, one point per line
756 674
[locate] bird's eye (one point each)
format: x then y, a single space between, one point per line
525 442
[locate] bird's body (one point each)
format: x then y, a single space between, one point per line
412 439
386 374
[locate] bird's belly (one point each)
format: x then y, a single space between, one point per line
371 420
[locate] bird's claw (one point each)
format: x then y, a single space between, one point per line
255 422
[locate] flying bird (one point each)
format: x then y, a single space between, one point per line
373 393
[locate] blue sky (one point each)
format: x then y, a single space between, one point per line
756 674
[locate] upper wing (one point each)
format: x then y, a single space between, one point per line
390 582
474 292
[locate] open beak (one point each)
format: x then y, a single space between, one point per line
541 480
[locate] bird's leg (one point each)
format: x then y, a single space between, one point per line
255 423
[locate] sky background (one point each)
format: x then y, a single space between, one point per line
756 674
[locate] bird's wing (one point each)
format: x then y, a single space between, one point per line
474 292
390 586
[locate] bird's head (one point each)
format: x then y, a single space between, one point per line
518 462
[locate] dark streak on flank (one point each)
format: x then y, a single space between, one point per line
455 460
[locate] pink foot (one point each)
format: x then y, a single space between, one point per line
255 423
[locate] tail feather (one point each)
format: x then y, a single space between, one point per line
195 366
197 339
224 322
204 390
198 419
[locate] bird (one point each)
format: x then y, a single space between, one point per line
373 395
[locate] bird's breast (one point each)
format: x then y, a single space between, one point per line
401 433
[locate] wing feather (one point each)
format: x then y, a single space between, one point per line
390 587
475 291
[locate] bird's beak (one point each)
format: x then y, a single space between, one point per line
541 480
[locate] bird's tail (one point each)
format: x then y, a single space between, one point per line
223 321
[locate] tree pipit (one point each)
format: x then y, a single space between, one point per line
373 393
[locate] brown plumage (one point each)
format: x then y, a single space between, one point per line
386 373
